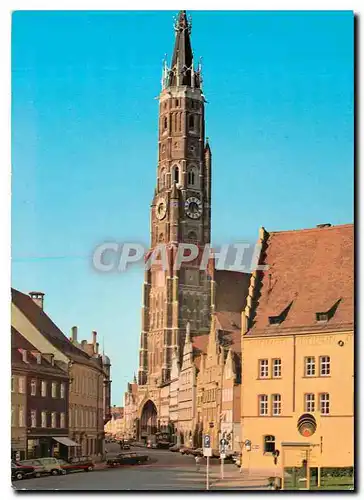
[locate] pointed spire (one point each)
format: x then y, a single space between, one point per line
135 379
188 332
182 60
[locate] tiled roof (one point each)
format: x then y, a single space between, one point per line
50 330
310 270
231 290
18 344
200 342
228 321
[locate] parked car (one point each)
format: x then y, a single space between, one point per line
127 459
43 466
174 447
125 446
19 471
77 463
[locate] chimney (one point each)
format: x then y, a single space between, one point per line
25 356
38 298
323 225
94 336
97 348
74 334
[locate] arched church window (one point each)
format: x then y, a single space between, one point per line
192 176
175 174
165 123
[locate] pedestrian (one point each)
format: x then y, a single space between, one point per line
198 462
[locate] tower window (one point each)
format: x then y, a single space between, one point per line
192 237
165 123
191 177
177 102
191 122
175 174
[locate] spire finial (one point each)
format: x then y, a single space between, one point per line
188 332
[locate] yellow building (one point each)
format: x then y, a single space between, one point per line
297 351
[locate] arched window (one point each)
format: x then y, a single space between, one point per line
177 102
175 174
161 238
191 122
191 177
165 123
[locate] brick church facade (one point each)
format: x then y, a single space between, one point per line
180 213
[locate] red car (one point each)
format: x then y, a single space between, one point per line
77 463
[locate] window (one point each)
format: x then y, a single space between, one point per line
44 388
177 102
54 389
62 420
21 416
54 420
33 387
165 123
43 417
277 368
175 174
191 176
324 366
263 368
33 418
13 416
191 122
63 390
276 404
322 316
21 385
12 383
309 402
263 404
309 366
269 444
324 403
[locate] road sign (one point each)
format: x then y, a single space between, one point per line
223 442
206 441
207 452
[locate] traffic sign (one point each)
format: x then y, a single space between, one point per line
223 442
206 441
207 452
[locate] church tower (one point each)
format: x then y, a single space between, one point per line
180 213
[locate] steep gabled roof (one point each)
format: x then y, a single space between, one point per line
309 271
43 323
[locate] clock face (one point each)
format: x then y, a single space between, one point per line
193 207
161 208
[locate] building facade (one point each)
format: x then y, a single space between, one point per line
297 345
86 403
180 213
40 402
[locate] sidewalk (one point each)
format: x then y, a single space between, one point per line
234 479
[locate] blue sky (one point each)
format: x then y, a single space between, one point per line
279 117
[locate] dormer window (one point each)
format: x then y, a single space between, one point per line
279 318
326 315
322 316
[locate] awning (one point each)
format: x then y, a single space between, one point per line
65 440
